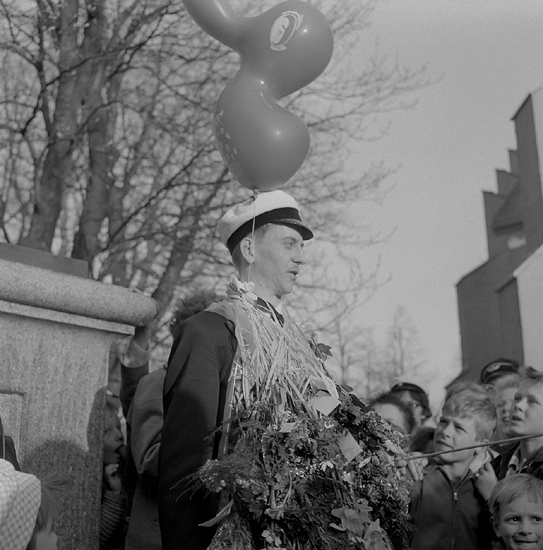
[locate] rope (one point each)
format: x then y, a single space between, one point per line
498 442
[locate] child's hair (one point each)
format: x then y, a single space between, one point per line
388 398
465 385
512 487
111 405
52 486
466 404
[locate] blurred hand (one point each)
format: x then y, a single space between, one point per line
485 479
413 468
113 479
141 336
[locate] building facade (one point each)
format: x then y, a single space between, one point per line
499 301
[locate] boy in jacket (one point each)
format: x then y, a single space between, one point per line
448 507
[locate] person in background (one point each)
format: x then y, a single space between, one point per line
28 509
526 419
422 440
500 372
113 511
144 429
516 505
399 415
414 397
504 398
7 448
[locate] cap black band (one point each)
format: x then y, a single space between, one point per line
272 216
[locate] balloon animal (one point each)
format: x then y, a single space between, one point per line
282 50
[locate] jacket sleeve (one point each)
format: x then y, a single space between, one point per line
145 419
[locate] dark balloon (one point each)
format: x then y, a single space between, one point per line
282 50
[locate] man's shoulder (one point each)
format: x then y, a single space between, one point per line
205 322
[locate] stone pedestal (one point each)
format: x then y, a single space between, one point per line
56 331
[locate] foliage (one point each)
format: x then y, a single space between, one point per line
290 481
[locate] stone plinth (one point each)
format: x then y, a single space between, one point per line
56 331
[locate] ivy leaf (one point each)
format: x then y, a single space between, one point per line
352 520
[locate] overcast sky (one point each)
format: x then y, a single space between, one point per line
487 56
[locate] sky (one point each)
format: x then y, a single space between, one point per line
485 57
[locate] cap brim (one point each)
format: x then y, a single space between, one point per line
304 231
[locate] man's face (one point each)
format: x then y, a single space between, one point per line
527 410
418 410
520 524
279 255
453 432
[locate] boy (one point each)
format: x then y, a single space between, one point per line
448 507
516 504
526 419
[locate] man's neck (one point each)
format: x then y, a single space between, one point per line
262 292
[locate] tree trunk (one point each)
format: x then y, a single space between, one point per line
58 159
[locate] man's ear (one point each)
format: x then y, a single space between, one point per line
247 249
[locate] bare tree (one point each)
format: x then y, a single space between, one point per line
402 352
106 145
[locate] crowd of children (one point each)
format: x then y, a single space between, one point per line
477 489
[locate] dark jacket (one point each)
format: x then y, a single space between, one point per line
447 515
144 430
532 466
194 400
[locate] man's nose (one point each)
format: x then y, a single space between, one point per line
299 258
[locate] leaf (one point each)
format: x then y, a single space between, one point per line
354 521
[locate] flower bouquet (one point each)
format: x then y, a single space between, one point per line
307 466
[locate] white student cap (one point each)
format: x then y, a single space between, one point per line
270 207
20 500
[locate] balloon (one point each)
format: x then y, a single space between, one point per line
282 50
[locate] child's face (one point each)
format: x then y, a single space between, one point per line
521 524
527 410
504 401
46 539
453 432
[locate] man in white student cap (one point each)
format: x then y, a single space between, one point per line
265 236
